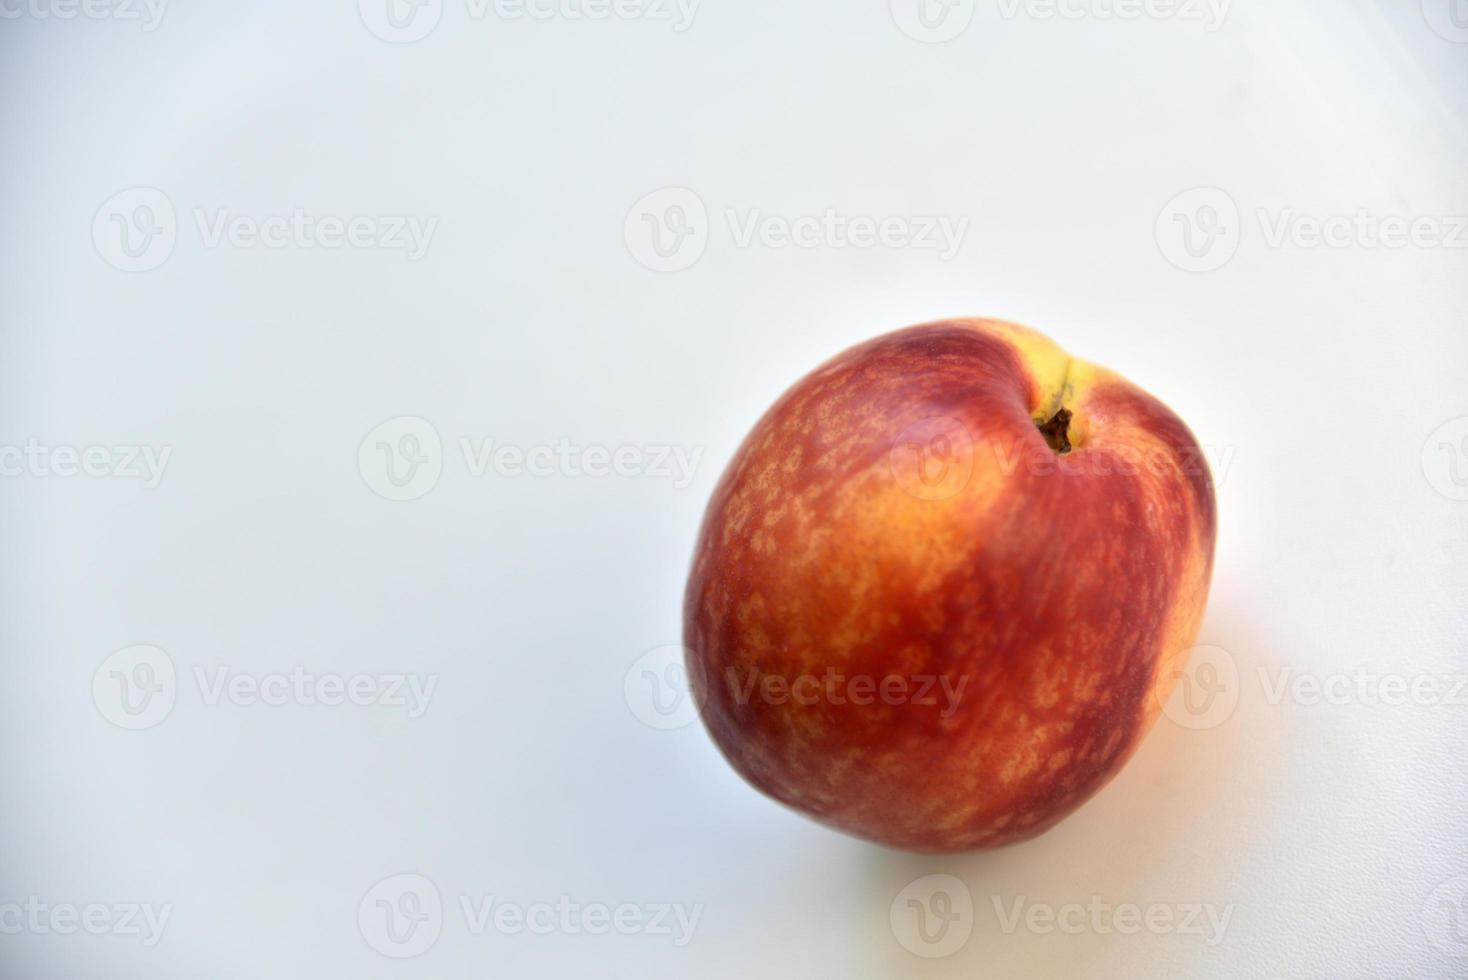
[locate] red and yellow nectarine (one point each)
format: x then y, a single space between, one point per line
941 592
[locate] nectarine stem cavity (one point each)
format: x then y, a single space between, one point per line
1057 431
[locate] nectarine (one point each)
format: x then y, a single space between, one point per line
943 588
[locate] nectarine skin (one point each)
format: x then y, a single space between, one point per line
929 608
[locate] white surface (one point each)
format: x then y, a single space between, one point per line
1335 833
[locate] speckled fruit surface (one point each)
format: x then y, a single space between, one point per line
945 585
